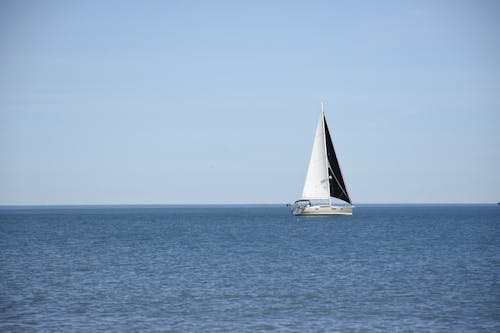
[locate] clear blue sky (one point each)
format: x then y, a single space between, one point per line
137 102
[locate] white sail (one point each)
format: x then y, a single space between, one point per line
317 185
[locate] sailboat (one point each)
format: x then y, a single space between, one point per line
324 179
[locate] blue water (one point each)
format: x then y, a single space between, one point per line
250 269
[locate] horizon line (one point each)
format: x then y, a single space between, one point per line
166 205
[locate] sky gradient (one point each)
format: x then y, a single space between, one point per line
174 102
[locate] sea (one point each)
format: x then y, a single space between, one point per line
249 268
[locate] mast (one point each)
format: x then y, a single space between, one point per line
326 154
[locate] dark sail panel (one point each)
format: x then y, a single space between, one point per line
337 185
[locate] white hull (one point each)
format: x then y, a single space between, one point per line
323 210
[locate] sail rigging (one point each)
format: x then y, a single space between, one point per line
324 177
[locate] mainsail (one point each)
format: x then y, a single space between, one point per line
324 177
